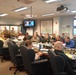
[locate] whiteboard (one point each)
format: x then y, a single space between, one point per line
46 26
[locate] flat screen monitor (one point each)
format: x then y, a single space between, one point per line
29 23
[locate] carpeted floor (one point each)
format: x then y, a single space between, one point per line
4 69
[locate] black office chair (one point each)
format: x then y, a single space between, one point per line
74 39
13 50
57 63
34 68
1 45
13 42
10 47
5 54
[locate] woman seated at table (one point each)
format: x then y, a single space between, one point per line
33 56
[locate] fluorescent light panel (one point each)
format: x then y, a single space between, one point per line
3 14
49 1
73 11
20 9
48 14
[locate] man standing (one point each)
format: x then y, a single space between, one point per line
12 32
5 31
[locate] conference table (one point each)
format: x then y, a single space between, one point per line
44 47
71 53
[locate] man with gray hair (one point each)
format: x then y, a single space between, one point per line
69 64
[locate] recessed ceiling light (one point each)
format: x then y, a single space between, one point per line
20 9
73 11
48 14
3 14
49 1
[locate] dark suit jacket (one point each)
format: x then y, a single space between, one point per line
58 52
69 64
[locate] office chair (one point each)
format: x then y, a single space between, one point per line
13 50
5 54
36 67
13 42
57 63
1 45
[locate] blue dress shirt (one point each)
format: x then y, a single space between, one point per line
70 44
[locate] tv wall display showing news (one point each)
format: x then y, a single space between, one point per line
28 23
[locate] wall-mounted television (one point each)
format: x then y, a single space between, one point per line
28 23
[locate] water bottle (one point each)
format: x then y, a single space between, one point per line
39 46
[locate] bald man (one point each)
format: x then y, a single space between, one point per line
69 64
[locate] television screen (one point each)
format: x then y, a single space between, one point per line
29 23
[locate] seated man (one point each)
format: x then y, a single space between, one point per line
21 36
69 64
32 54
59 38
69 43
41 38
47 37
35 38
53 37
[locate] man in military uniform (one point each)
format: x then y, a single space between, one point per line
5 31
12 32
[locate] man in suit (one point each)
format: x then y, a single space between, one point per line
69 64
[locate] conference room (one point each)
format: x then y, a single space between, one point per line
37 25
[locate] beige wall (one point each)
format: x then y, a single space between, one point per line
10 21
58 24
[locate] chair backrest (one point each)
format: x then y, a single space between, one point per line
26 59
10 48
13 42
4 51
1 43
53 62
60 63
74 39
13 50
57 63
39 67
